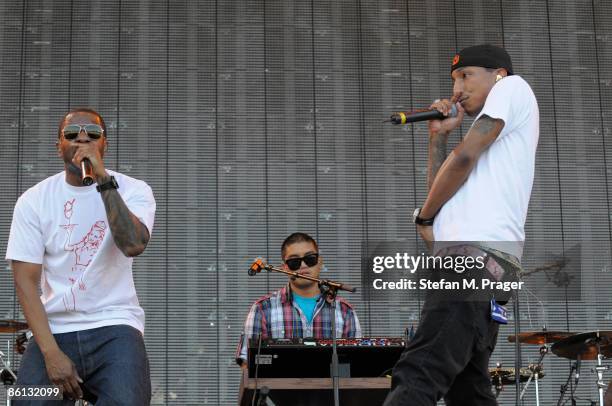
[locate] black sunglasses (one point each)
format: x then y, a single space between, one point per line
93 131
295 263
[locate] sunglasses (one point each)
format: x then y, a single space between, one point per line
295 263
93 131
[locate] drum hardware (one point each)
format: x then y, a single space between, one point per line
12 326
20 342
586 345
7 374
535 371
540 337
595 345
506 376
574 369
497 378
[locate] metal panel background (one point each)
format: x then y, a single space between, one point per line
254 119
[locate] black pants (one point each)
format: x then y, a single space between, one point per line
448 357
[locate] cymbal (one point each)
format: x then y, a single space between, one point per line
12 326
584 345
540 337
506 375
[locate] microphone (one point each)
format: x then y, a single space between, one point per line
256 267
86 172
577 376
405 117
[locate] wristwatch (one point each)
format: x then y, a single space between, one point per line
110 184
421 221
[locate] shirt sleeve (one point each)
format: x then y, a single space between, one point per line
358 333
25 241
142 204
253 326
506 102
352 327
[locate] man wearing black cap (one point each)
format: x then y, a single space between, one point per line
478 194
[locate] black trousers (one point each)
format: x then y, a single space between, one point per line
447 358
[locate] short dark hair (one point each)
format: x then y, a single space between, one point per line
80 110
295 238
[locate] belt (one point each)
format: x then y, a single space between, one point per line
491 263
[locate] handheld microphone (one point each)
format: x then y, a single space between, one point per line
256 267
405 117
577 375
86 172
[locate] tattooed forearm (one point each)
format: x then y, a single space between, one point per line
457 167
130 235
437 155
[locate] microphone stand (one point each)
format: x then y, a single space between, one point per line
330 290
331 293
321 282
517 348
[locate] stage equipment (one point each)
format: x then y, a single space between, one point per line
329 289
12 326
595 345
534 371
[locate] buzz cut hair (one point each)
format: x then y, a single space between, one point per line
295 238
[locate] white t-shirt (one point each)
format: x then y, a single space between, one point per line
86 280
491 206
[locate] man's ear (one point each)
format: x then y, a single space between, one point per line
57 148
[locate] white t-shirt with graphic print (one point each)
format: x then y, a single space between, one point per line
86 280
491 206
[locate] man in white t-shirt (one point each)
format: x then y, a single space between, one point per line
78 243
476 206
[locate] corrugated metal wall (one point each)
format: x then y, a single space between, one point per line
254 119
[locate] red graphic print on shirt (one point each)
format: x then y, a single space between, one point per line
84 250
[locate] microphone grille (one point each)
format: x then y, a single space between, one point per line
256 266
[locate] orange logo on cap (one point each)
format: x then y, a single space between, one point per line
456 60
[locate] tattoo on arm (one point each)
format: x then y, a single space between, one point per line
484 131
130 235
437 155
485 125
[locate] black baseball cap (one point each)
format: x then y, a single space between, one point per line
486 56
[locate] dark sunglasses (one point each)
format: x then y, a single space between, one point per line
93 131
295 263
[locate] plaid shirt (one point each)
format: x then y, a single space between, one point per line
277 316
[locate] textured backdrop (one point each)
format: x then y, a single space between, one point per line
254 119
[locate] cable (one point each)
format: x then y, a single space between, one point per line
257 358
